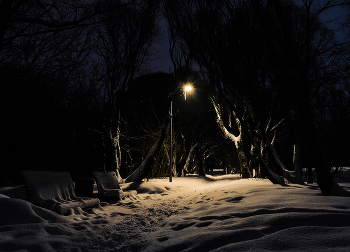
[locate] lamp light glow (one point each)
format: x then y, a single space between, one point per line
188 88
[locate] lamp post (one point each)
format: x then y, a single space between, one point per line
187 88
171 142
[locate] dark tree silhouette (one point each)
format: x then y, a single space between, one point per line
41 79
124 40
50 91
17 17
144 114
261 62
297 70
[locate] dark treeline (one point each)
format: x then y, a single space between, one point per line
267 65
64 69
271 92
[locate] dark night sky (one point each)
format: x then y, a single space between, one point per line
164 61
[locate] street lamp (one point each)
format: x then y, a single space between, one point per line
186 89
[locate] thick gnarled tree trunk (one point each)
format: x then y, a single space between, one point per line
274 178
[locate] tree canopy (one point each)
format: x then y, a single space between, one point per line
270 78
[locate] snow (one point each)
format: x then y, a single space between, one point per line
189 214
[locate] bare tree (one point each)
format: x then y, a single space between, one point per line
297 69
18 16
45 70
210 33
124 40
248 54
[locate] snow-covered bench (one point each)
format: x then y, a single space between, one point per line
55 191
108 186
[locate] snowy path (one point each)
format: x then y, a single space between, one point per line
189 214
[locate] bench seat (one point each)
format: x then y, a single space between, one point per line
55 191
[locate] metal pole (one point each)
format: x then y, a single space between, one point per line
171 142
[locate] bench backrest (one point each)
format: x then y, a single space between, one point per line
55 191
49 185
106 181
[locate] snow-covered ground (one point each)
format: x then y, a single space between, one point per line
190 214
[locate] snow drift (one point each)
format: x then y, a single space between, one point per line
189 214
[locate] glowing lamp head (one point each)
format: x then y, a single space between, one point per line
188 88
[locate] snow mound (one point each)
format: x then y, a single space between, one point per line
17 211
145 187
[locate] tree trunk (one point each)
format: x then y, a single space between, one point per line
117 153
237 140
311 141
310 178
110 151
189 159
243 161
173 168
112 143
297 161
146 166
199 157
274 178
